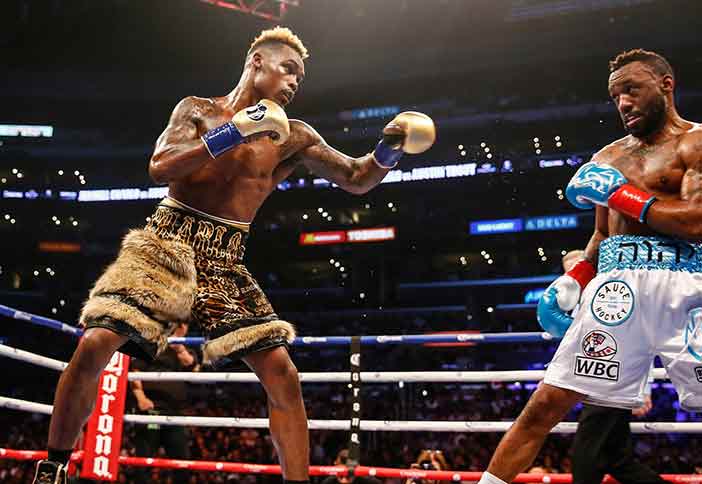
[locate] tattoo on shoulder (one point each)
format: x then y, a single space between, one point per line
643 151
301 136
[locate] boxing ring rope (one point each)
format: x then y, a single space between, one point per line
339 471
407 339
367 425
312 377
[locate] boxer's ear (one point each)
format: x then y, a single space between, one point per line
667 83
257 60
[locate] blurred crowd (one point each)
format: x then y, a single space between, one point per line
668 453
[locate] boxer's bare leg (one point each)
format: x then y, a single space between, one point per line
520 445
77 387
286 410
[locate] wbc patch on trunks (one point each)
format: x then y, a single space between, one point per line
596 360
613 303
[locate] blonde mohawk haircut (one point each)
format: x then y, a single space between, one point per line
282 35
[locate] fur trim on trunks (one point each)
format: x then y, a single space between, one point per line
151 286
246 337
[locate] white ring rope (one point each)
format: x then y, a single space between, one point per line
33 358
367 425
314 377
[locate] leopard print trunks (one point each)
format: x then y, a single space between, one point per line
226 302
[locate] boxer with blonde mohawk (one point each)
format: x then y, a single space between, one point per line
221 157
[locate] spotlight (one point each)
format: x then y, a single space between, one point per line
14 171
76 173
490 309
305 216
60 172
390 204
460 147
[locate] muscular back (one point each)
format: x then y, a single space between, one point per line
235 184
657 169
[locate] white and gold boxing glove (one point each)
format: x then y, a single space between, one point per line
409 132
264 117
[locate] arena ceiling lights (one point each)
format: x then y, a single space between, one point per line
273 10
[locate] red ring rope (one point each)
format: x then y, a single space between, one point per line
363 471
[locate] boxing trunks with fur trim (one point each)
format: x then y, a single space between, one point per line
184 266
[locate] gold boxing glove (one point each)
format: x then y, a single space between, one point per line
409 132
266 117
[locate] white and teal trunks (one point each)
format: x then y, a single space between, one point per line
646 300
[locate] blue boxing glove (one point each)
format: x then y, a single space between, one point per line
561 297
595 184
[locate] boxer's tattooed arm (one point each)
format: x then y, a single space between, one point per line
683 218
179 151
354 175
